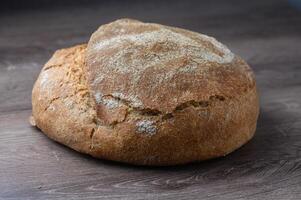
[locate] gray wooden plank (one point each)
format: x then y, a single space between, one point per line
265 33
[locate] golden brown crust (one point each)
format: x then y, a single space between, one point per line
212 122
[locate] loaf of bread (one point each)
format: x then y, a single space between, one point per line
147 94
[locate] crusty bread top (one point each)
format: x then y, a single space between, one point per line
64 110
69 61
159 68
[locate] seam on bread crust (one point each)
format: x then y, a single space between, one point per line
91 138
156 112
159 115
51 66
51 102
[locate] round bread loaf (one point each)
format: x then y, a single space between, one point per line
147 94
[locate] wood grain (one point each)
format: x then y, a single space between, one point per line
265 33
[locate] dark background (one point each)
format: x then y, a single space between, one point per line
267 34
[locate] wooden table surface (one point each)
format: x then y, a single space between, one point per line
265 33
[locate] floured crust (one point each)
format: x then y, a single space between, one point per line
65 110
159 67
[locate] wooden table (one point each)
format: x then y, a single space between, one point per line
266 33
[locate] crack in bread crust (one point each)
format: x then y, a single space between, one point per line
159 115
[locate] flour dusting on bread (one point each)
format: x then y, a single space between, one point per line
109 102
164 36
132 100
44 78
98 97
146 126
